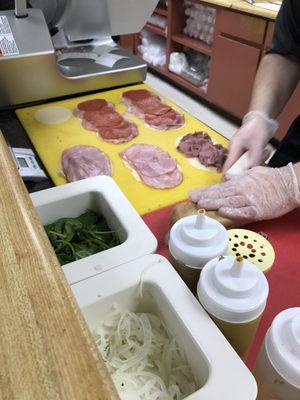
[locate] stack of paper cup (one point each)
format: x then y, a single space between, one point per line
195 240
234 292
277 370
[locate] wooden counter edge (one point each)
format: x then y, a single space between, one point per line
46 350
243 6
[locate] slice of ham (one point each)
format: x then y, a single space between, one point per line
200 145
80 162
150 160
154 166
100 116
165 181
149 107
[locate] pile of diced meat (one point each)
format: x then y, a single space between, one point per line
80 162
200 145
100 116
154 166
150 108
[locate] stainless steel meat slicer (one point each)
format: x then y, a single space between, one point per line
55 48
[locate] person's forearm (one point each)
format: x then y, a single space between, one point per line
275 81
297 172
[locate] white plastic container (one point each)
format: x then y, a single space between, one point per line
234 292
277 370
100 194
194 241
218 371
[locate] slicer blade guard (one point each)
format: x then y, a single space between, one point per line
65 47
95 19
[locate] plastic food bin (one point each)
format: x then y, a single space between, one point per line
100 194
150 284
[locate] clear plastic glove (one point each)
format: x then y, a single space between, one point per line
253 137
258 194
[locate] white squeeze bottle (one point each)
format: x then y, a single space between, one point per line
234 292
277 370
195 240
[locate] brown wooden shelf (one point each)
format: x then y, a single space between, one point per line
245 45
162 70
161 11
195 44
155 29
183 82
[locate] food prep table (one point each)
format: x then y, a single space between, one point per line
47 350
282 233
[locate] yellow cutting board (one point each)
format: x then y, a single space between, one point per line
51 140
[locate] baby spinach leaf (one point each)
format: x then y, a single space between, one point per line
89 218
76 238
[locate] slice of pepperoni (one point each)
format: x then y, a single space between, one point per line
165 121
89 106
124 132
149 107
134 96
92 105
107 117
100 116
153 106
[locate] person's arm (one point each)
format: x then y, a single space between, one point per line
276 79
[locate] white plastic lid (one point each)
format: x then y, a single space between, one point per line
233 289
196 239
283 345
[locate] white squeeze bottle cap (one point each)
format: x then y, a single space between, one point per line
233 289
282 344
196 239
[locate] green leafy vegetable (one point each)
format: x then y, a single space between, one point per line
76 238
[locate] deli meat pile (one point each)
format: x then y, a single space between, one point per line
154 166
100 116
150 108
80 162
200 145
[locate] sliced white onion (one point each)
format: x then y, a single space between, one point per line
143 359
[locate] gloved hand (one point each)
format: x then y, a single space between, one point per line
253 136
257 194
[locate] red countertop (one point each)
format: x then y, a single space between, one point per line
284 277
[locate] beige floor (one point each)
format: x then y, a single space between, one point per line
194 107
